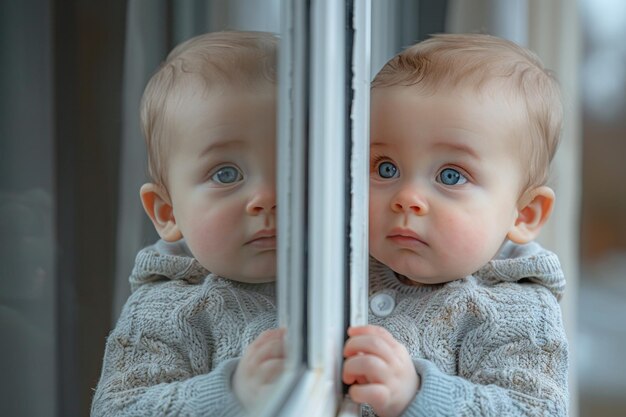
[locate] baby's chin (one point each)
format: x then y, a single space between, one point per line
425 280
258 270
420 274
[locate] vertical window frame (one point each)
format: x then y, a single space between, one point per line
323 131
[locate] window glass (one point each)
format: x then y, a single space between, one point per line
27 212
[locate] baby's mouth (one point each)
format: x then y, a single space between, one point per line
406 237
263 239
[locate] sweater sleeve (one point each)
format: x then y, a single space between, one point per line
197 396
147 373
504 370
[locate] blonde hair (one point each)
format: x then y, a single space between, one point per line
219 60
448 60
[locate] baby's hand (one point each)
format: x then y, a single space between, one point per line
259 367
379 370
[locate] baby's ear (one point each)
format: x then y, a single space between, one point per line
156 202
534 210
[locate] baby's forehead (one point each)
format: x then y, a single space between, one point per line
196 99
409 113
477 99
223 112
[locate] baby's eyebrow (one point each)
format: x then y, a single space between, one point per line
221 145
459 147
378 144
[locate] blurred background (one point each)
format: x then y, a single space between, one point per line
602 292
72 160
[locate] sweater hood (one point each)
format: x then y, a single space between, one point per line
165 260
528 262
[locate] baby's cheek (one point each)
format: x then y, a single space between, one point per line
467 238
210 240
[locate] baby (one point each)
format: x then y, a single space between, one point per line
195 337
464 318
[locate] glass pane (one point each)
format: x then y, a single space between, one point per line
70 216
153 30
27 201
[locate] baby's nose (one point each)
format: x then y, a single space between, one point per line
409 200
263 201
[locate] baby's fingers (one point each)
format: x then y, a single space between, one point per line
368 344
270 369
272 349
376 395
371 329
268 335
266 347
364 369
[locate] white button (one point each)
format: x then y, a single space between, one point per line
382 304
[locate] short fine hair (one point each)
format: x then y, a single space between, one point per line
449 60
217 60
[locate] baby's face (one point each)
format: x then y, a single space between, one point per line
221 178
445 178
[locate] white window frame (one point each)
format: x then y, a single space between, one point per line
323 169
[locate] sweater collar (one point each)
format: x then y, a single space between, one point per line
528 262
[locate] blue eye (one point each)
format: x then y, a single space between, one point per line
387 170
450 176
227 175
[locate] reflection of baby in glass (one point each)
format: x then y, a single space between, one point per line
179 347
464 318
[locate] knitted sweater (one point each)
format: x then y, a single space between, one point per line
491 344
175 346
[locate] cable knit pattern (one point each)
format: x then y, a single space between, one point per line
490 344
176 344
